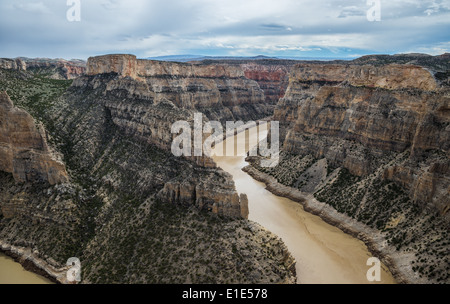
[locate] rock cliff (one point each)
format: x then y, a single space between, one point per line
132 212
23 147
50 68
271 75
219 91
13 64
372 141
385 109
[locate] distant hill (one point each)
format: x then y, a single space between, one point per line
186 58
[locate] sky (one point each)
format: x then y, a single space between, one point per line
290 28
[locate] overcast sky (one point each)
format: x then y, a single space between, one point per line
303 28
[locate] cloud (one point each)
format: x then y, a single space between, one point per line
32 7
350 11
205 27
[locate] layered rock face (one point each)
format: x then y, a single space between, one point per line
390 77
219 91
145 112
272 77
23 148
353 121
56 68
51 68
384 110
117 213
123 65
13 64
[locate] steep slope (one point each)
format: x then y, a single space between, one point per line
50 68
118 213
272 75
219 91
23 147
372 141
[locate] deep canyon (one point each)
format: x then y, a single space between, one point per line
86 169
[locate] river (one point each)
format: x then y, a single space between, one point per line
12 272
324 254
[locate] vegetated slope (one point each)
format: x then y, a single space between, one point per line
373 142
115 214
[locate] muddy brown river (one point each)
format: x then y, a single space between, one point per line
12 272
324 253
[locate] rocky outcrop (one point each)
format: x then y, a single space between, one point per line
208 196
271 75
123 65
32 262
50 68
23 147
13 64
219 91
390 77
354 121
56 68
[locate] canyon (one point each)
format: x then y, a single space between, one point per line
368 140
112 129
372 142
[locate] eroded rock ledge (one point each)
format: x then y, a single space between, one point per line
220 91
23 147
32 262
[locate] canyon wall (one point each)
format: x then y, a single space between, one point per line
131 205
50 68
371 139
143 99
271 75
23 147
13 64
354 115
219 91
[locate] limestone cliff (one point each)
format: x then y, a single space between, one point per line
384 109
131 107
271 75
50 68
13 64
219 91
373 142
132 212
23 147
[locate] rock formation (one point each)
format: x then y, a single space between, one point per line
385 109
271 75
13 64
23 147
372 141
145 98
51 68
219 91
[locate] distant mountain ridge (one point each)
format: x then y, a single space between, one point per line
186 58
